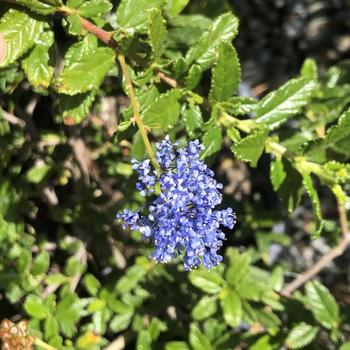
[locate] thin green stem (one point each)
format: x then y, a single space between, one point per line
43 345
137 115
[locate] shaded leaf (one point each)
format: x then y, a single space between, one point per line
277 173
174 7
316 205
164 112
251 147
212 141
157 33
41 263
339 131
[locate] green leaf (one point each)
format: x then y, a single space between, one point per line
174 7
131 278
339 131
198 340
238 268
251 147
176 345
34 307
133 14
322 304
92 284
205 308
212 141
226 73
301 335
39 6
345 346
20 32
69 312
208 281
56 278
74 27
164 112
262 343
193 120
224 28
316 205
290 190
309 69
144 340
194 77
38 65
232 308
238 105
276 107
157 33
74 109
277 173
85 67
37 174
41 263
121 322
95 8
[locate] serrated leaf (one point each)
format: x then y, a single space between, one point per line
251 147
301 335
322 304
316 205
157 33
212 141
232 308
34 307
193 120
38 65
309 69
290 189
198 340
226 74
224 28
174 7
95 8
74 109
238 105
164 112
339 131
277 173
133 14
20 32
276 107
85 68
208 281
204 308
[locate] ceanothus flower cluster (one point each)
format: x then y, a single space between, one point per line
182 218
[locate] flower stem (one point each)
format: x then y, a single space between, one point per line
43 345
137 115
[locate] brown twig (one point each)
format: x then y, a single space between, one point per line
325 260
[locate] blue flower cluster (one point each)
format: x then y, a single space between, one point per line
181 219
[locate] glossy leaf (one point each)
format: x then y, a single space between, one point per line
277 174
212 141
198 340
34 307
193 120
322 304
204 308
38 65
226 74
287 101
157 33
208 281
301 335
232 308
20 32
224 28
